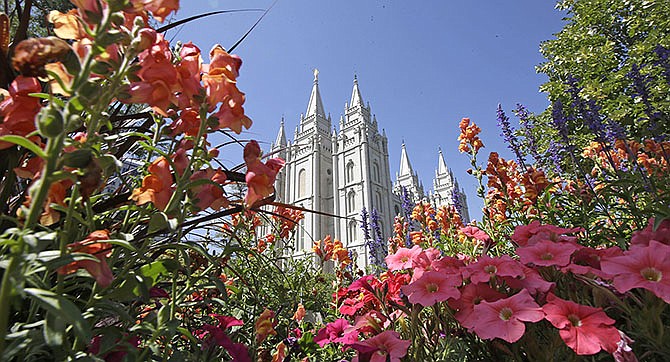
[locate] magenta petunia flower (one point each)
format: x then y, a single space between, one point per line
547 253
646 267
585 329
433 287
505 318
386 346
402 259
339 331
486 267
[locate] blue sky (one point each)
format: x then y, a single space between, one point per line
422 65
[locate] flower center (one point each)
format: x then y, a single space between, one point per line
506 313
651 274
404 259
432 287
491 269
574 320
547 256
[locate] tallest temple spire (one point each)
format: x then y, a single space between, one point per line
356 98
315 105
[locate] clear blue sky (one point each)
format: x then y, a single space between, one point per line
422 65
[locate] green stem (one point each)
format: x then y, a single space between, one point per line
5 291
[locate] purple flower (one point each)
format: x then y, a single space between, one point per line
364 224
407 206
377 246
663 61
509 137
456 200
527 125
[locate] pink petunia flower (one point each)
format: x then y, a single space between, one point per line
475 233
662 234
586 261
486 267
531 280
546 253
471 295
585 329
505 318
530 234
402 259
386 346
338 331
646 267
433 287
431 259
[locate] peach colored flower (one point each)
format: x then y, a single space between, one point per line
67 25
18 111
260 176
299 313
264 325
98 269
210 195
157 187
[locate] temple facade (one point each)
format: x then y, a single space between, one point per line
339 171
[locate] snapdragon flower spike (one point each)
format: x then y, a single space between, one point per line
260 176
507 133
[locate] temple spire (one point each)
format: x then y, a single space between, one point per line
441 165
281 135
405 165
356 98
315 105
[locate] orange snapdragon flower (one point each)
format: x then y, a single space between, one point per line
157 187
100 270
18 111
209 195
469 138
220 82
534 182
260 176
265 325
160 9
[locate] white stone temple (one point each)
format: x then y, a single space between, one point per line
341 171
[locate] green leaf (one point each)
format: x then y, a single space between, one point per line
25 143
54 329
61 306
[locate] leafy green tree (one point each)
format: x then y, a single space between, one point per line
610 47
